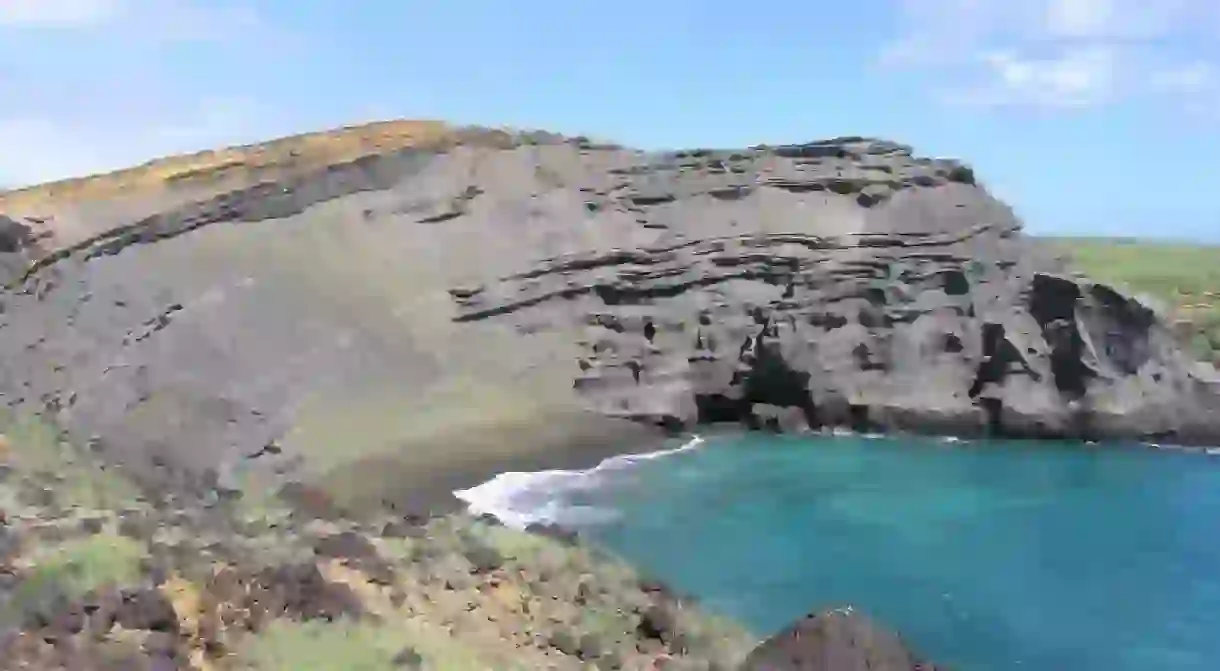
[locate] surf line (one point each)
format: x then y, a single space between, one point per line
520 499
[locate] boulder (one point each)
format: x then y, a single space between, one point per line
835 640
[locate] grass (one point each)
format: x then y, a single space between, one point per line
283 156
1182 279
34 447
69 570
346 645
317 646
276 159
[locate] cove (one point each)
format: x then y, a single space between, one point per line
984 555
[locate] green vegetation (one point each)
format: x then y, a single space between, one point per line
346 645
319 646
36 449
1183 280
68 570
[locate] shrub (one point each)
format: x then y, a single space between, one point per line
68 570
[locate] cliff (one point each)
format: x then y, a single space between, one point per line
372 317
431 298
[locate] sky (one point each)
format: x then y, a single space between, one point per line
1088 116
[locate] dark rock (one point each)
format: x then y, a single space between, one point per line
160 643
347 544
227 585
554 532
42 497
14 236
10 542
484 558
360 552
69 621
837 640
590 646
403 529
378 571
610 660
92 525
300 591
408 658
147 609
102 610
137 525
659 621
656 588
310 500
565 641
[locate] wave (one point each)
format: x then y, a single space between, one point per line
519 499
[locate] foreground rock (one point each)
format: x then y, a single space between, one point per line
836 640
392 323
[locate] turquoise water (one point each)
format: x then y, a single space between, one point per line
988 556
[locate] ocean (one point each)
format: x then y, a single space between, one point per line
990 555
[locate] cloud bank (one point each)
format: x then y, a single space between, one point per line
1060 53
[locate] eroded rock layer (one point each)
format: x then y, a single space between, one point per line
544 291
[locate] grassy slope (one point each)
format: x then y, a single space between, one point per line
455 594
1184 279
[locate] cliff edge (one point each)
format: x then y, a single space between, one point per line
381 315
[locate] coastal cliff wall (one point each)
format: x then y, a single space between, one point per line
480 301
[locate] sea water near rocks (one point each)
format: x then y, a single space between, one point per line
984 555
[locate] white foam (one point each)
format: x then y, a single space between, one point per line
520 499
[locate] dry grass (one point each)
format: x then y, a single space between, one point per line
277 158
282 156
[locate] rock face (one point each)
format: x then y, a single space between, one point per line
545 291
18 247
837 640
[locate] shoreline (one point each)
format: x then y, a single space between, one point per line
430 492
585 458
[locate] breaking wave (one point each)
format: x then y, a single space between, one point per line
520 499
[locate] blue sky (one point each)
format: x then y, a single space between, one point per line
1089 116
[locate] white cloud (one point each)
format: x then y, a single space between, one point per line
1054 53
43 13
1076 78
1189 78
156 21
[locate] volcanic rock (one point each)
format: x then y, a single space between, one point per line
541 293
838 640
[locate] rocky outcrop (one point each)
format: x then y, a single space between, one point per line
543 292
836 640
18 247
900 296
